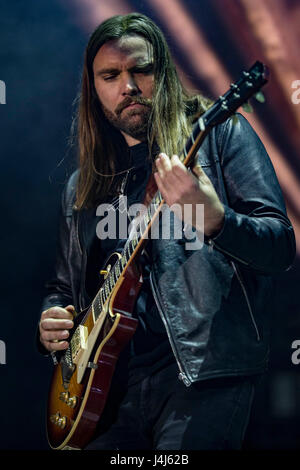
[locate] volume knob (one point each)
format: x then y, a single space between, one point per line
59 420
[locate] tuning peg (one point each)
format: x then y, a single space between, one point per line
247 107
260 97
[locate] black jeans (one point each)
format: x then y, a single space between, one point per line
161 413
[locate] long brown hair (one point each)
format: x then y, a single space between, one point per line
100 144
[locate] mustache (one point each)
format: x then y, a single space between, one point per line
132 99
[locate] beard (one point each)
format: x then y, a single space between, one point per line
133 122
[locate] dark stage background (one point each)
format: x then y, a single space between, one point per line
41 52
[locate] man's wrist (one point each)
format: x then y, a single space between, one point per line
213 228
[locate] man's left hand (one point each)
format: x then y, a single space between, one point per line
179 186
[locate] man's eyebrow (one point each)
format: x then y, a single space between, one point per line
107 71
142 65
114 70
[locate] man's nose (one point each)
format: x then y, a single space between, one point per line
130 86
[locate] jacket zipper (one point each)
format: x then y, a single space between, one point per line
247 299
81 253
77 233
212 244
182 374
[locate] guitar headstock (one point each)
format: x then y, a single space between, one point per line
248 85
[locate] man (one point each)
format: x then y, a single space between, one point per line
187 378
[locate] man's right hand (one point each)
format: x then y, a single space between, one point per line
54 327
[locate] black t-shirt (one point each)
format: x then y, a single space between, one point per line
149 350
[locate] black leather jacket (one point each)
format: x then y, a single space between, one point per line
215 302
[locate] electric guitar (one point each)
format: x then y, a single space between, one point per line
83 372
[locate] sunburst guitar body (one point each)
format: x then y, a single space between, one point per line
82 376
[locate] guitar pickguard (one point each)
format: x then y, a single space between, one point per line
67 369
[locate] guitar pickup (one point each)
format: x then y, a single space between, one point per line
83 334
